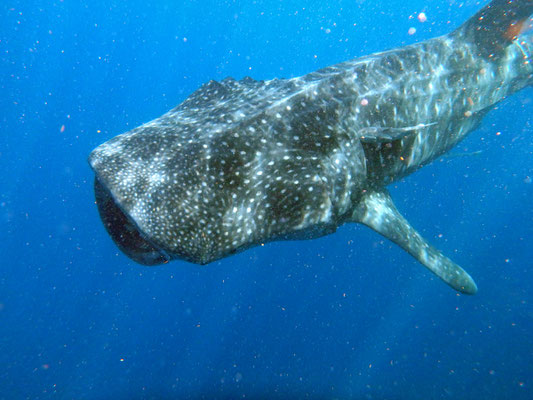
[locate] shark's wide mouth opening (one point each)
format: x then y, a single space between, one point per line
125 232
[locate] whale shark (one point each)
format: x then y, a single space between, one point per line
243 162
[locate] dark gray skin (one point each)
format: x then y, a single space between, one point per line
240 163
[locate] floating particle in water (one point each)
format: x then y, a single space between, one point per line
364 102
422 17
411 31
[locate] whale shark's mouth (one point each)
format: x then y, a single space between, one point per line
124 231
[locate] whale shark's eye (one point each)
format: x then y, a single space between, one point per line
123 231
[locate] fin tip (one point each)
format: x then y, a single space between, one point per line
469 287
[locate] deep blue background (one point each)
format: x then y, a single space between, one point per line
346 316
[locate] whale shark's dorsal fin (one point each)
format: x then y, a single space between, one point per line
377 211
496 26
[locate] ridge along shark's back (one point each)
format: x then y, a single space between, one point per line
241 163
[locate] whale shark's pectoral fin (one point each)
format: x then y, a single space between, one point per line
385 134
377 211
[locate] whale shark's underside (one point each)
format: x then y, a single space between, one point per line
240 163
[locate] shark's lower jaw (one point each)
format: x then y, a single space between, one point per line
125 232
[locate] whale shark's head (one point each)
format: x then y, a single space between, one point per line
237 164
162 196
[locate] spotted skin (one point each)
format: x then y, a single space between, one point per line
241 163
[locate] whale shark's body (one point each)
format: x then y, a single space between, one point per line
243 162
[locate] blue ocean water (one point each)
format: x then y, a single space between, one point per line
347 316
